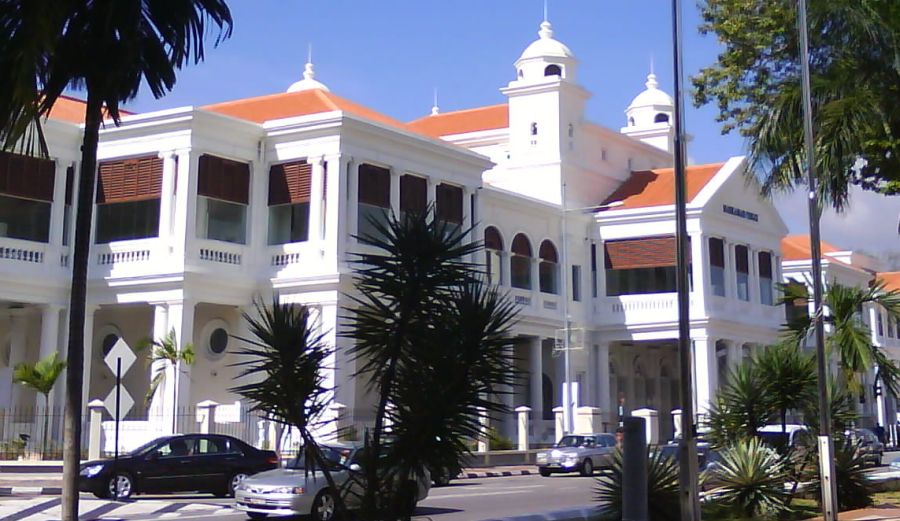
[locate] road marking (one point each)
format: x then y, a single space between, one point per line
476 494
451 493
32 510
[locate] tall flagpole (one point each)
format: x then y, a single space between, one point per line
826 449
687 447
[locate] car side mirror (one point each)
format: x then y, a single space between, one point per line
355 467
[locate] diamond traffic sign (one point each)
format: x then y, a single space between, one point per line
126 402
120 350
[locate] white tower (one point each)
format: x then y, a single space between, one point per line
650 117
546 108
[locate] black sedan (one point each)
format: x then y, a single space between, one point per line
187 463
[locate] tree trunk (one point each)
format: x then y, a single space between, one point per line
77 303
46 425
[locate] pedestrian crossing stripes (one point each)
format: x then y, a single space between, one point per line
46 509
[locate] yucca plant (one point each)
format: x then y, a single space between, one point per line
430 339
285 361
164 354
750 478
662 488
41 377
854 490
740 408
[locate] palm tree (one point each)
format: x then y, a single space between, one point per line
41 377
165 354
850 338
108 48
789 379
740 408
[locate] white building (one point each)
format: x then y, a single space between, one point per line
199 209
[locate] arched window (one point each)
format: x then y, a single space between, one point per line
520 262
533 129
548 268
493 248
630 122
571 130
521 74
661 118
553 70
721 362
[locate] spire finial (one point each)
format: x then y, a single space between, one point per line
308 72
545 11
309 53
651 81
434 108
651 63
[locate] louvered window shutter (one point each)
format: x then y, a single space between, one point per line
130 180
224 179
648 252
374 186
290 183
413 194
28 177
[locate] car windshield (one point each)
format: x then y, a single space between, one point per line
776 440
335 456
572 441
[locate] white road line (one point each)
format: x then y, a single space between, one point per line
137 508
477 494
452 493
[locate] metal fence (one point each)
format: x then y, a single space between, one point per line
22 433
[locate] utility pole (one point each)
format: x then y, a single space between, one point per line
568 399
826 449
687 449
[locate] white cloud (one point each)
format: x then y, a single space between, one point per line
870 222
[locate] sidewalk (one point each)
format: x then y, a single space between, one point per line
882 513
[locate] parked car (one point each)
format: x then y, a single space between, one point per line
184 463
870 447
707 459
794 436
292 490
578 453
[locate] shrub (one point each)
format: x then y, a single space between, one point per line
496 441
750 479
662 489
854 490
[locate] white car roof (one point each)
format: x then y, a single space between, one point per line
789 428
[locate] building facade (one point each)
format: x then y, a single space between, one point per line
199 210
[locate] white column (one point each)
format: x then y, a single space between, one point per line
58 206
184 224
753 260
181 319
505 269
50 344
335 227
166 201
605 403
535 274
89 311
352 200
431 192
16 351
258 215
395 191
536 384
730 272
315 199
705 377
700 270
509 393
468 221
159 404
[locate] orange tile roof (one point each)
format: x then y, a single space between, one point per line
891 279
657 187
463 121
71 110
797 247
302 103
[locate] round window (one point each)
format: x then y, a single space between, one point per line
108 342
218 341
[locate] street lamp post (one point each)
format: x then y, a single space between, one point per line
568 398
687 450
826 463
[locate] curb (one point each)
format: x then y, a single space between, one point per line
30 491
490 474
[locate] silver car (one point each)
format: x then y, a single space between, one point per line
578 453
290 491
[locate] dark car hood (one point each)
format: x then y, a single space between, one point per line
122 460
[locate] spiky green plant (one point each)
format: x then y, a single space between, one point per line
854 490
662 488
740 408
430 339
750 479
41 377
789 379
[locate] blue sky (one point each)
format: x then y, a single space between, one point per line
391 55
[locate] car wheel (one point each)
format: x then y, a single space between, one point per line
121 487
587 467
544 472
441 478
323 507
234 481
257 515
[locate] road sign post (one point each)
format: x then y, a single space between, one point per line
118 402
